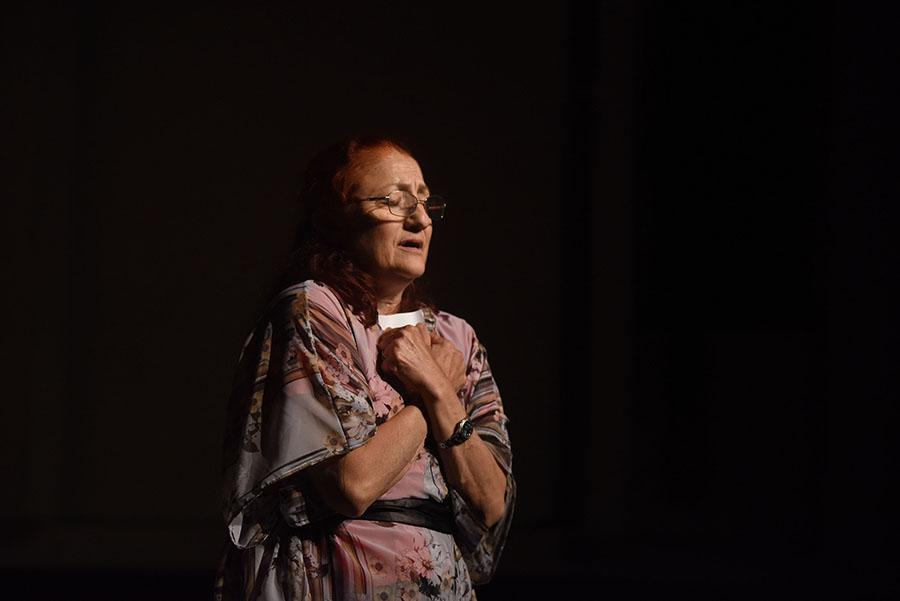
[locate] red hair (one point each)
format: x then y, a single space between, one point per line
329 223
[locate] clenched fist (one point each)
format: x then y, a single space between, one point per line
450 360
424 362
406 354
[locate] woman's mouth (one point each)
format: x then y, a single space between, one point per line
414 246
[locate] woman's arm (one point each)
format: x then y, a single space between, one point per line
429 365
352 482
470 467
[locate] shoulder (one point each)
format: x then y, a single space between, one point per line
308 301
301 312
448 321
316 293
457 330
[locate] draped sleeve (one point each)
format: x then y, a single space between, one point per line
299 397
481 546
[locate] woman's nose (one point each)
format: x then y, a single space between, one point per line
420 216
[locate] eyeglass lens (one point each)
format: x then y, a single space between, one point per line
404 204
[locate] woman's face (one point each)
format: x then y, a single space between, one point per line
392 249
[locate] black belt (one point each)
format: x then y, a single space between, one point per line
426 513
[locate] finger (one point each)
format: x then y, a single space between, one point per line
387 337
424 333
387 356
400 336
388 367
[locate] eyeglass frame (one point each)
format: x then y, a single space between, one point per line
386 199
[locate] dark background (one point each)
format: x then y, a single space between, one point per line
671 224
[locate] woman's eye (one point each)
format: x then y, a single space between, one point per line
399 200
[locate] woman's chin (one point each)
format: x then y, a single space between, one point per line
411 276
399 275
410 269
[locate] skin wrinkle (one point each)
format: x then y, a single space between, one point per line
354 481
377 248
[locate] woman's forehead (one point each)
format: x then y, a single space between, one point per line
386 167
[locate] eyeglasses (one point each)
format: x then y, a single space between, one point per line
403 204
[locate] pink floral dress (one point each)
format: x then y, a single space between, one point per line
306 390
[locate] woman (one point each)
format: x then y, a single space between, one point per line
367 455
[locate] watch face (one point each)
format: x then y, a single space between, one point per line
463 432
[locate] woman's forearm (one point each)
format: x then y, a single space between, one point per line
354 481
470 467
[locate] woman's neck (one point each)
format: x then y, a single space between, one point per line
389 300
389 306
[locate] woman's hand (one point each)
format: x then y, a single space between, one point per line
407 354
450 360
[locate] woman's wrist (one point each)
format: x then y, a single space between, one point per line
440 390
444 412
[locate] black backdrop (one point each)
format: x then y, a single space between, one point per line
671 224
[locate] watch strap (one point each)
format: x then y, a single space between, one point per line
461 433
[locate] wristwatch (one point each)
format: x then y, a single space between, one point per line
461 434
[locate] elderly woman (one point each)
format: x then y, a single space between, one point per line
367 455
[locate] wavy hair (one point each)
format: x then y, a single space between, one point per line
328 225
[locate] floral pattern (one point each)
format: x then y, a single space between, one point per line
306 390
